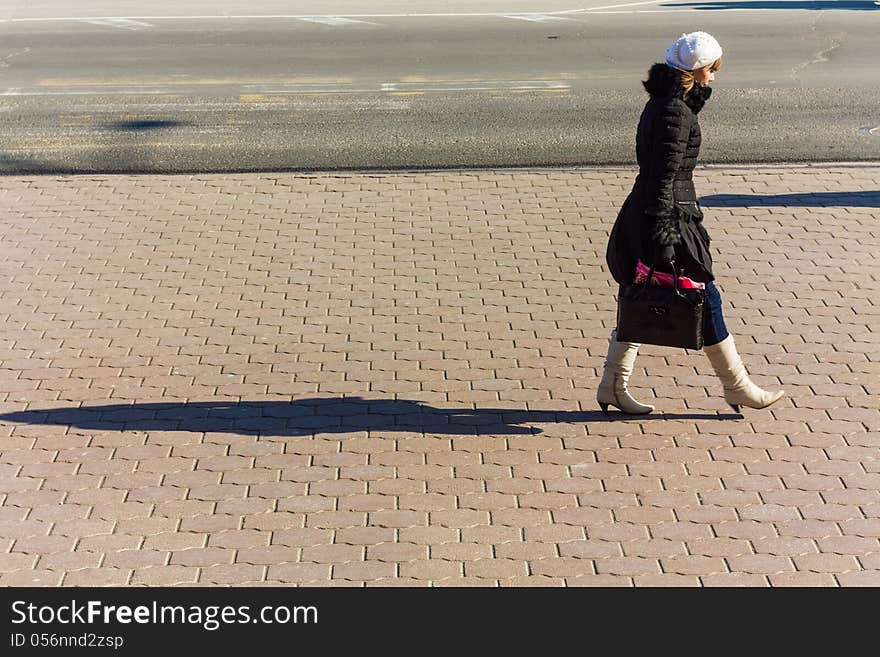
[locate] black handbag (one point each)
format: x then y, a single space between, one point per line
661 315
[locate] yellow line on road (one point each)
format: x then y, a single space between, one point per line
406 79
255 98
95 146
122 82
530 91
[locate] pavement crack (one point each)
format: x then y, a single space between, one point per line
822 56
4 61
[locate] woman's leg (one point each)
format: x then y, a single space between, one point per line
612 389
721 350
714 328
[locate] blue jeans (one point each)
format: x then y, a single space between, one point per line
714 329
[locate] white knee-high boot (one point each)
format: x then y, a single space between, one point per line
738 388
618 368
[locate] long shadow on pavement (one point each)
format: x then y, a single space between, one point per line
814 5
806 200
317 415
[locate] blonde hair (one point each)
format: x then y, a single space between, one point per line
687 77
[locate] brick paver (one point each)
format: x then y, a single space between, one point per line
388 379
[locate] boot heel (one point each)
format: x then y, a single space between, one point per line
604 408
735 407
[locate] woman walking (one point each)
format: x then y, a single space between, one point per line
661 222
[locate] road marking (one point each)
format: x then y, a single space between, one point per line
260 91
183 81
141 22
617 6
484 85
559 90
122 23
335 21
110 91
255 98
411 87
537 18
69 143
496 14
270 89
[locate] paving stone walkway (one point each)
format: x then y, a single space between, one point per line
388 379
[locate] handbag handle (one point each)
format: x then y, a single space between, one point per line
674 277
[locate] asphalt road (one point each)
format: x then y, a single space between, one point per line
235 86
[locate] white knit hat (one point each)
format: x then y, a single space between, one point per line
692 51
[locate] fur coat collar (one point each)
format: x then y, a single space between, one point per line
665 82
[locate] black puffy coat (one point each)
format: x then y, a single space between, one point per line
662 208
